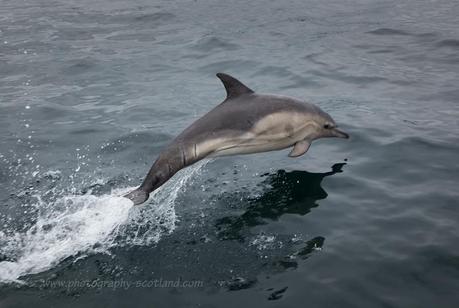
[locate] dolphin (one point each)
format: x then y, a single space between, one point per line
245 122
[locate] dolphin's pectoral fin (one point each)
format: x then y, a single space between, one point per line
300 148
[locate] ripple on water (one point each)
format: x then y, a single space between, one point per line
388 31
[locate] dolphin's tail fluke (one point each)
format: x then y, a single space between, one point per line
138 196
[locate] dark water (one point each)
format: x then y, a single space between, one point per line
90 91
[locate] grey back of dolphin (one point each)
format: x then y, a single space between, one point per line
245 122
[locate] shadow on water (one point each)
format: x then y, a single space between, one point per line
293 192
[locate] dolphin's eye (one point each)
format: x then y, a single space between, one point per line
327 126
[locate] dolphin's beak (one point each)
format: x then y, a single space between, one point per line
339 133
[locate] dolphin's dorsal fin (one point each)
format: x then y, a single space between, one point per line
233 86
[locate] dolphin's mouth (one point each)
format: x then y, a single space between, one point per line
340 134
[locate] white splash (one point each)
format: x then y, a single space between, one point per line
148 223
86 221
83 224
263 241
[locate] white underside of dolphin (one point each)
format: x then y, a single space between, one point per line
244 123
